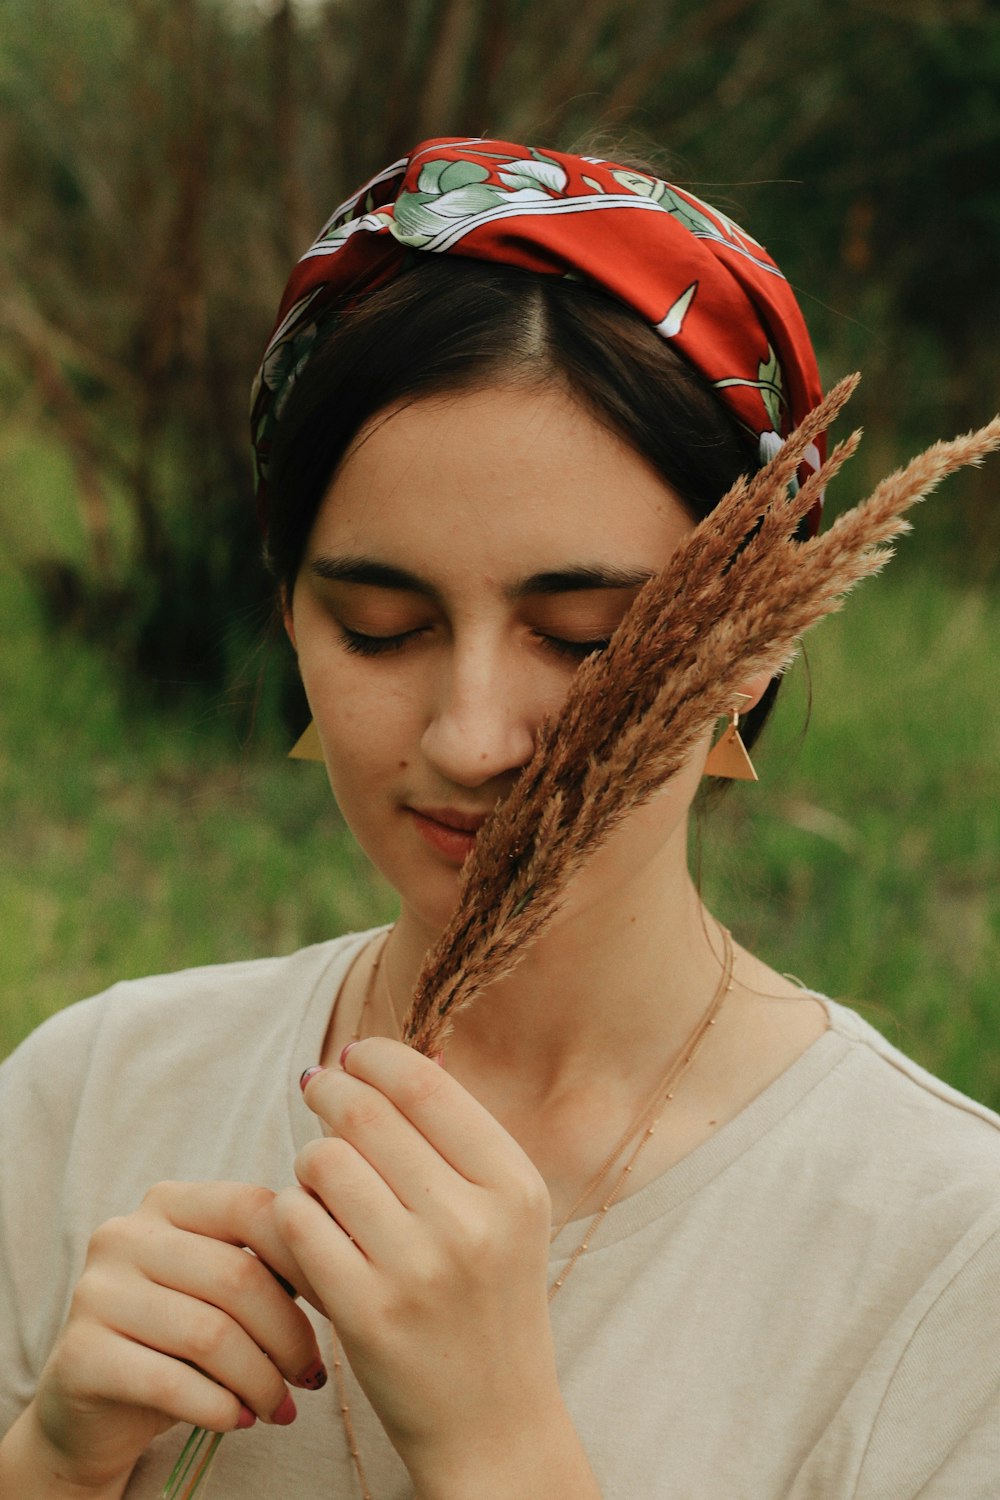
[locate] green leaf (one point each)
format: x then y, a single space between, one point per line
477 198
644 186
769 375
413 224
460 174
431 173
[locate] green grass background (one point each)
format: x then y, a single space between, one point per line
865 862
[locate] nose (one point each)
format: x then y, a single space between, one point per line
484 719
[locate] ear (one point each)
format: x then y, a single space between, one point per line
751 692
287 619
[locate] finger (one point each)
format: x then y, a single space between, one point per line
196 1333
459 1128
327 1253
237 1213
361 1116
354 1193
240 1286
129 1373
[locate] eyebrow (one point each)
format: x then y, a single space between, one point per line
572 580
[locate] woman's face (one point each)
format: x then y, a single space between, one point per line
471 550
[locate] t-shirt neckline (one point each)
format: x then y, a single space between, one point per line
658 1197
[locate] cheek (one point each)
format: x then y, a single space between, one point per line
362 740
370 730
347 698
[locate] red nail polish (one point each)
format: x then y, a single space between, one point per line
246 1418
315 1377
343 1055
284 1414
309 1073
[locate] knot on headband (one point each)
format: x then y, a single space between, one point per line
692 274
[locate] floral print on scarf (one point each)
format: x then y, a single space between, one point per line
693 274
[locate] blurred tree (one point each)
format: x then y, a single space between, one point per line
162 164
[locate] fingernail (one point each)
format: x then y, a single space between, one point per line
309 1073
315 1377
285 1413
343 1055
246 1418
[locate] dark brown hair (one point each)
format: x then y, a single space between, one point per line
447 324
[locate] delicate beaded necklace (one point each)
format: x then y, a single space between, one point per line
641 1126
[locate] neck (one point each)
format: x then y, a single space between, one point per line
610 988
568 1048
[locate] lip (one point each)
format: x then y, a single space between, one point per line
449 831
450 817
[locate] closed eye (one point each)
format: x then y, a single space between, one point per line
377 645
575 650
363 644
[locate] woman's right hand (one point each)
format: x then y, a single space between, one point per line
171 1321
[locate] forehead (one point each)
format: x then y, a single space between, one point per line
525 475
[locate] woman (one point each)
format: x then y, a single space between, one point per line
503 386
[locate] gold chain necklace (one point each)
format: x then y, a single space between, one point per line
339 1378
678 1065
657 1100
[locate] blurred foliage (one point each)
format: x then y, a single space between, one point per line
146 841
163 164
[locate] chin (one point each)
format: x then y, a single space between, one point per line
427 888
431 900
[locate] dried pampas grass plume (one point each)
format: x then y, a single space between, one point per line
733 602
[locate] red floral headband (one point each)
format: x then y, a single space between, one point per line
686 268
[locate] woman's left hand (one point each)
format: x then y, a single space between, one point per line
424 1229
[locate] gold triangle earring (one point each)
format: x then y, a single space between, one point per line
307 746
728 757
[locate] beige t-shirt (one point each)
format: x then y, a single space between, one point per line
805 1308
